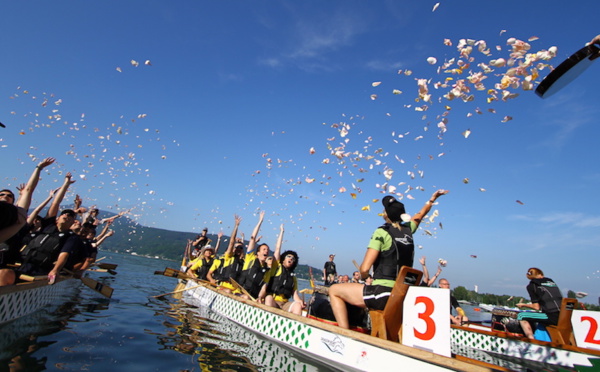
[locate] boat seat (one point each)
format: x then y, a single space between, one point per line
386 323
562 333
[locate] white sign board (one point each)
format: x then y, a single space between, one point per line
426 319
586 328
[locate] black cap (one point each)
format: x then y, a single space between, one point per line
70 212
393 208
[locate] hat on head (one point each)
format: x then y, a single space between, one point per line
70 212
206 248
393 208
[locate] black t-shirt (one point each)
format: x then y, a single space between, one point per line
330 268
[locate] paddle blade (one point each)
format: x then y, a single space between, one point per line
98 287
568 71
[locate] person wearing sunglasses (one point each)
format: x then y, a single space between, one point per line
546 299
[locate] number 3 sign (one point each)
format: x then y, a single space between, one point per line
426 319
586 328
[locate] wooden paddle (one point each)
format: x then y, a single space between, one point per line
98 270
312 278
107 266
95 285
178 291
244 291
356 265
98 287
28 278
176 274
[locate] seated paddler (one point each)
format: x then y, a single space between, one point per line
231 264
281 288
255 262
391 247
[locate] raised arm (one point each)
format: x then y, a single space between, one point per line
27 192
418 217
253 237
53 210
425 278
219 236
103 238
277 253
39 208
232 241
434 278
104 231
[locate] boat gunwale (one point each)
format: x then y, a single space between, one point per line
25 286
462 364
551 344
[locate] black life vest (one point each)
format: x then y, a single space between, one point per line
252 278
203 270
549 295
282 284
232 270
330 268
44 249
401 253
217 273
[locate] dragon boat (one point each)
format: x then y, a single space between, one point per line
22 299
472 347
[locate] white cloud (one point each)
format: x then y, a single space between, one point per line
379 65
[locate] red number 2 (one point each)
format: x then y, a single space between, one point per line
592 332
426 316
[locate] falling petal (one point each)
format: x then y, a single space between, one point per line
520 202
482 189
435 7
148 63
373 97
119 69
366 208
376 83
466 133
353 195
432 60
465 180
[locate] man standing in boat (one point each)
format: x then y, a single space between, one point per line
545 297
329 271
390 248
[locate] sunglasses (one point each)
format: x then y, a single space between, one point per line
291 257
7 194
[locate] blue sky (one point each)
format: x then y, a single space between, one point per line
235 95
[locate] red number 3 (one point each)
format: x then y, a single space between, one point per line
593 328
426 316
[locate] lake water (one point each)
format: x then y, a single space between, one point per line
135 332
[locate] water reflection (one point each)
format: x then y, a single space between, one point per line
221 345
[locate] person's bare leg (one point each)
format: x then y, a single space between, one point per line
7 277
526 328
339 295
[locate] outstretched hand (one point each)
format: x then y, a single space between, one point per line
46 162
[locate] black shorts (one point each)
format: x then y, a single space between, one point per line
376 296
